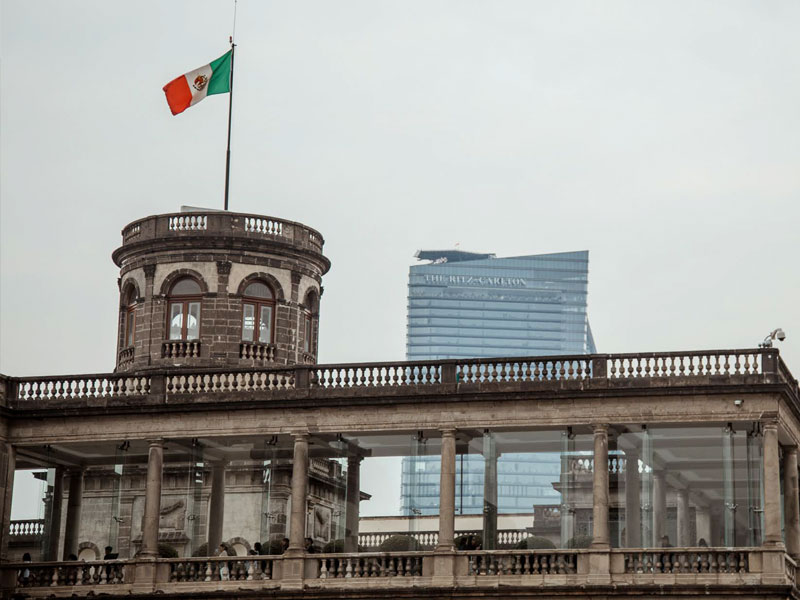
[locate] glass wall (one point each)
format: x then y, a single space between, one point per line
686 485
370 511
534 489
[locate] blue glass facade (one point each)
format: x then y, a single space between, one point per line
465 305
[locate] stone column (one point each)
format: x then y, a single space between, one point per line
54 526
489 492
683 518
352 507
8 457
633 505
297 523
772 486
703 524
447 492
73 525
216 507
600 537
791 501
659 507
152 499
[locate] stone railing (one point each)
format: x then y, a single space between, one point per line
125 356
232 568
791 569
428 539
82 386
259 352
726 568
239 381
27 527
464 376
227 224
678 364
523 562
524 369
687 560
375 375
180 349
392 564
106 572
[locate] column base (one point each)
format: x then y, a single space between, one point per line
599 567
443 567
292 571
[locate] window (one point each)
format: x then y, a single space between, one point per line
129 317
309 321
184 310
258 312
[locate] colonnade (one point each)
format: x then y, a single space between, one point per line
772 521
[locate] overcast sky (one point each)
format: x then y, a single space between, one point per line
664 137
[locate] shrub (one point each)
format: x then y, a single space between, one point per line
462 542
167 551
535 542
399 543
579 541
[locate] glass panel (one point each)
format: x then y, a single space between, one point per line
307 338
356 499
185 287
248 316
686 486
265 325
257 289
117 519
175 320
129 329
193 321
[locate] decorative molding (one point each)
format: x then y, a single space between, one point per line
149 271
223 267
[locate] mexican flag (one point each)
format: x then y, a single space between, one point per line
188 89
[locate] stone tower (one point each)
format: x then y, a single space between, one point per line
218 289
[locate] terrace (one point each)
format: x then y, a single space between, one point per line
710 432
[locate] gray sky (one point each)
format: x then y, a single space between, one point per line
662 136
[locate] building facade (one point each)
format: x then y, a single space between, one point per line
679 474
465 304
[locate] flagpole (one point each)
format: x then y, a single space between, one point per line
230 113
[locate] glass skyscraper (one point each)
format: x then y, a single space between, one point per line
469 305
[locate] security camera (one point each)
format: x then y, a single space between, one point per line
772 335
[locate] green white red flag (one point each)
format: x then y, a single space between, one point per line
188 89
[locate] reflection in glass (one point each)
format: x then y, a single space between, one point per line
175 320
248 322
265 324
193 321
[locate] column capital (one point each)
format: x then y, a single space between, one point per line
449 432
598 428
770 424
789 450
156 442
300 436
355 460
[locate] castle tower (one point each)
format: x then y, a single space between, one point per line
218 289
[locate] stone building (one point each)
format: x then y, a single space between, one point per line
678 476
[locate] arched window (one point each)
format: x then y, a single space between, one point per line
258 313
184 309
310 312
129 317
